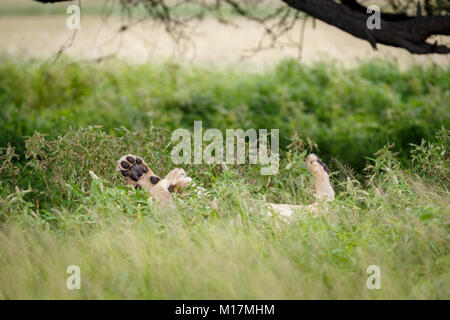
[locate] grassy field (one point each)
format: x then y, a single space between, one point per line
382 131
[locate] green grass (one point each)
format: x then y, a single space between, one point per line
350 113
222 244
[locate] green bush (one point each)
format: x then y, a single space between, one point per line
350 113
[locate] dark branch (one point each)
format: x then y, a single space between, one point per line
397 29
51 1
353 4
400 31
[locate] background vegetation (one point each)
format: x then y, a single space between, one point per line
350 113
383 132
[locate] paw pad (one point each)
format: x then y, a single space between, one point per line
132 167
154 179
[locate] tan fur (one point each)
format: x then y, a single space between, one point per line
322 184
323 191
175 180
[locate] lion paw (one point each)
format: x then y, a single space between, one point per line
136 172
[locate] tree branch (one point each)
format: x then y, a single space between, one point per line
399 30
51 1
353 4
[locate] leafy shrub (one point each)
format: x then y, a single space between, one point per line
350 113
432 160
